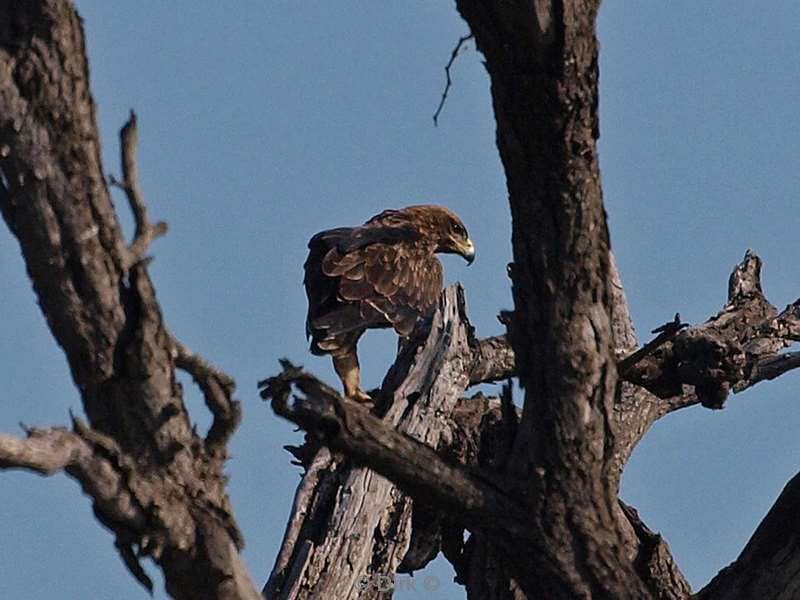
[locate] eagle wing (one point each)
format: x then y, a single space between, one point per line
372 276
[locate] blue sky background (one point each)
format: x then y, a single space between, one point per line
262 123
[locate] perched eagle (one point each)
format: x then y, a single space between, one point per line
383 273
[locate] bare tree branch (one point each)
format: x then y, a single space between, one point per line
97 463
145 231
770 367
732 351
44 451
417 468
218 388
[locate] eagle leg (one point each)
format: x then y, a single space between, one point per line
402 343
346 365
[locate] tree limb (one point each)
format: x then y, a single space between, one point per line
145 231
45 451
96 462
770 367
218 388
732 351
417 468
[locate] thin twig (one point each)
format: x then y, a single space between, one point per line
145 231
449 82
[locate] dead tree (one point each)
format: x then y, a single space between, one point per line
154 482
537 492
385 491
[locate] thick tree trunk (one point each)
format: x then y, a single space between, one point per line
542 60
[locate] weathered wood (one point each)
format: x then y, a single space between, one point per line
480 435
358 529
732 350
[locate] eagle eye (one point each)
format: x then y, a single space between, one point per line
459 230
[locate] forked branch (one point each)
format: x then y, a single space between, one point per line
146 232
732 351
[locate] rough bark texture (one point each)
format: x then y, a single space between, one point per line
350 526
542 60
154 482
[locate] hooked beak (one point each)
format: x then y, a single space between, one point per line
468 251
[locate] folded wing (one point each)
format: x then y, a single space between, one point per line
367 277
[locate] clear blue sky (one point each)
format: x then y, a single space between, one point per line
264 122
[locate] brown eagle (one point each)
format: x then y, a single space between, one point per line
383 273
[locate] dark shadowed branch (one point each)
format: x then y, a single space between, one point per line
418 469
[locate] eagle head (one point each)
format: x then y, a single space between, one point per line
443 225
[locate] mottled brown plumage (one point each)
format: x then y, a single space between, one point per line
383 273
